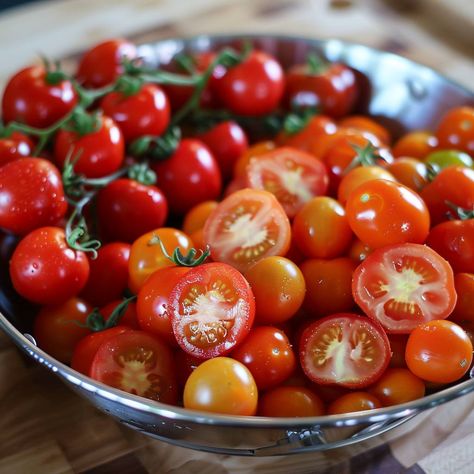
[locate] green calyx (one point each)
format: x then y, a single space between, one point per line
458 212
96 322
189 260
157 148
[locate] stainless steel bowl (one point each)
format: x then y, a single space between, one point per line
403 95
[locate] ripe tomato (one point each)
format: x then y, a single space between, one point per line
403 286
321 230
253 87
279 288
416 144
221 385
56 330
100 152
152 302
398 344
382 212
290 402
196 217
247 226
31 195
31 98
185 365
212 309
328 285
145 113
293 176
352 402
410 172
108 276
137 363
127 209
189 176
464 310
439 351
456 130
260 148
359 251
344 349
17 145
454 240
398 386
102 64
45 270
86 349
129 317
366 124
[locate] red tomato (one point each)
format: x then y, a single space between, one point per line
45 270
17 145
100 152
247 226
30 98
267 353
101 65
253 87
31 195
128 209
403 286
359 251
344 349
108 276
293 176
212 309
137 363
145 113
185 365
366 124
416 144
398 344
464 310
129 317
352 402
189 176
456 130
409 172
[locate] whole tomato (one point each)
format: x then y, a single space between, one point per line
17 145
456 130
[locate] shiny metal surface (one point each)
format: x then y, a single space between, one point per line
402 95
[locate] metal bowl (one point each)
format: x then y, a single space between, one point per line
403 95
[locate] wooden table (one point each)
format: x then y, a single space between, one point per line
44 427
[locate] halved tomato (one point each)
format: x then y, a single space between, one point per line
247 226
212 309
403 286
294 177
344 349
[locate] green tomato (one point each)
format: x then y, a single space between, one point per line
444 158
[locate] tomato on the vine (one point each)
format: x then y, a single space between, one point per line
14 146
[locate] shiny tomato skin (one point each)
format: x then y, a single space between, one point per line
129 317
31 195
55 329
464 310
353 402
189 176
456 130
196 217
128 209
252 88
366 124
145 113
409 172
359 251
101 152
29 99
418 144
44 270
17 145
101 65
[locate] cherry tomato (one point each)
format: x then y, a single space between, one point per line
212 309
290 402
253 87
366 124
221 385
444 158
344 349
247 226
416 144
456 130
102 64
320 228
137 363
382 212
398 344
108 276
146 112
33 98
45 270
57 330
127 209
464 310
188 177
352 402
129 317
409 172
439 351
16 145
328 285
279 288
260 148
100 152
403 286
197 216
31 195
359 251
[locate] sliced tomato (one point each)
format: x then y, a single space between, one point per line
293 176
137 363
212 309
403 286
344 349
247 226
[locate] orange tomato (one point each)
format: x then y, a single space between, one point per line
464 310
366 124
196 217
352 402
415 145
456 130
410 172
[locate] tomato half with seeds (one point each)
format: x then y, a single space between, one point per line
293 176
247 226
402 286
344 349
212 309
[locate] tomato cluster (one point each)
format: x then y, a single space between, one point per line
230 236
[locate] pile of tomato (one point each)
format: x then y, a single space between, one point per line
226 235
